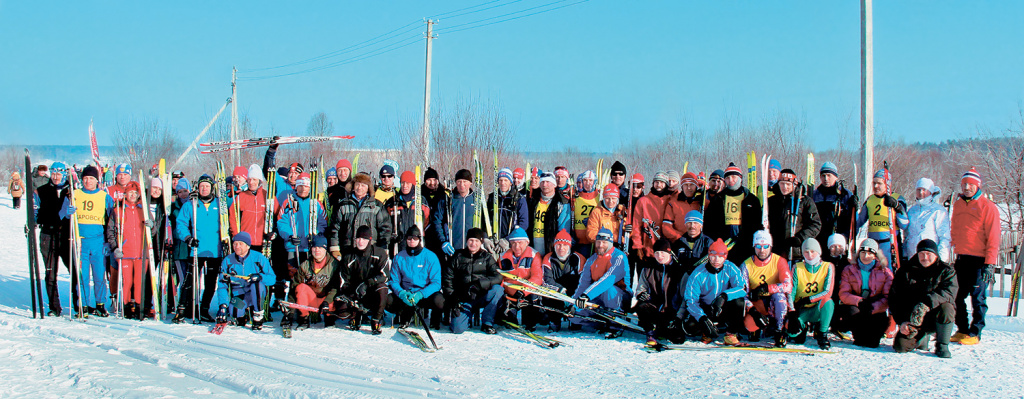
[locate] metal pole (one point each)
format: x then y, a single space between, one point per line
867 100
426 97
234 114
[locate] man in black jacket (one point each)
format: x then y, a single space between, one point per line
54 233
656 291
562 269
472 282
921 301
365 270
734 213
792 216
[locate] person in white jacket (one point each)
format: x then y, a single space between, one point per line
928 220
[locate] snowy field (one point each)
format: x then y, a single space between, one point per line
109 357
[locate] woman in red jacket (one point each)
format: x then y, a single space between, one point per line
125 230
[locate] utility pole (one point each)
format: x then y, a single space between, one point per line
234 114
867 98
426 97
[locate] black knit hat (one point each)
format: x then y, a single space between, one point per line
364 232
414 231
464 174
618 167
91 171
663 244
430 174
928 245
476 233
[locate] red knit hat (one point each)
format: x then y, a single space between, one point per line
240 171
611 190
408 177
733 169
971 176
637 179
718 248
344 163
563 237
689 177
519 173
303 180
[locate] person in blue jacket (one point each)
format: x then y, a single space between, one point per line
415 280
603 280
455 215
242 286
94 208
714 297
296 212
198 227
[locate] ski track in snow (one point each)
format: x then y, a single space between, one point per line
112 357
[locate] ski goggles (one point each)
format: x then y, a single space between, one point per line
762 246
718 253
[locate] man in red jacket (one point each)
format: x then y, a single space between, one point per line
975 234
248 211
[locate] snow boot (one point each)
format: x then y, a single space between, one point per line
730 339
355 322
257 321
301 322
922 344
652 340
54 313
958 336
329 320
179 315
942 340
375 326
131 311
823 342
100 310
780 339
488 329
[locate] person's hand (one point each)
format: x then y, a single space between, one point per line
643 296
907 329
192 242
707 327
802 302
866 306
417 297
890 202
295 240
406 296
325 307
448 248
361 290
118 253
582 301
72 209
988 275
717 304
255 278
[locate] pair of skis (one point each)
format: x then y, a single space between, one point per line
611 316
540 340
33 244
738 347
232 145
417 339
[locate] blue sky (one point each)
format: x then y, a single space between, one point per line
593 75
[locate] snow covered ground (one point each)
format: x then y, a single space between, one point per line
109 357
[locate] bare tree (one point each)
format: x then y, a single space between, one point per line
142 141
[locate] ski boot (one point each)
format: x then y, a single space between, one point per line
257 320
204 315
355 322
488 329
652 340
823 342
241 321
100 310
780 339
375 326
131 311
301 322
53 313
179 315
613 334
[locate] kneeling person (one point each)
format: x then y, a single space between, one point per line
812 295
364 270
415 280
714 297
656 291
243 282
603 280
315 284
770 284
472 282
921 301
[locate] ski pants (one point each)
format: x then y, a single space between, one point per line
942 314
304 295
773 307
404 312
16 201
375 300
245 296
969 272
867 328
821 314
611 298
488 302
132 271
654 317
94 271
55 247
884 240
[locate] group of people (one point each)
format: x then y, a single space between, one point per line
690 257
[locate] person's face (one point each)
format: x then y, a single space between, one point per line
603 246
733 180
361 189
611 201
293 175
432 183
617 178
673 183
302 191
504 185
693 229
773 174
519 181
662 257
56 175
866 257
785 187
123 178
205 189
637 189
689 189
518 247
716 260
473 245
254 183
811 254
182 194
239 248
588 184
922 193
132 196
412 241
362 243
344 173
968 189
763 251
878 186
927 258
534 182
562 250
387 180
561 179
658 185
331 181
463 186
836 250
547 188
829 180
174 181
319 253
89 182
238 179
717 185
156 191
407 187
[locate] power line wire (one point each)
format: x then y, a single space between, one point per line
453 28
369 54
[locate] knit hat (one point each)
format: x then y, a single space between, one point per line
255 172
364 232
673 175
58 166
604 235
762 237
331 172
928 245
561 171
476 233
413 231
319 241
694 216
95 173
303 180
179 174
547 177
156 182
971 176
637 179
408 177
132 186
663 245
718 173
240 171
774 164
610 190
243 237
182 183
829 167
343 163
519 173
618 167
718 248
836 239
869 245
205 179
506 173
787 175
123 168
811 244
733 170
661 176
879 174
563 237
430 174
689 177
517 234
463 174
926 184
296 167
386 170
363 178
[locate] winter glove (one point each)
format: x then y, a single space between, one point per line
488 245
473 292
802 302
270 237
988 275
255 278
295 241
716 306
225 278
582 301
643 296
222 314
707 327
118 253
457 311
866 305
890 202
72 209
674 324
325 308
361 290
406 296
761 321
192 242
917 314
417 297
521 301
148 223
336 252
448 248
762 291
274 144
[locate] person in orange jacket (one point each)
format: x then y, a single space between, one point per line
124 233
975 235
522 261
677 206
609 215
648 214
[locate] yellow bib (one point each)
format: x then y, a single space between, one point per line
733 205
538 219
91 208
767 274
383 196
878 215
582 210
810 283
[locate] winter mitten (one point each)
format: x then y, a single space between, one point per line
917 314
222 314
118 254
582 301
707 327
361 290
416 298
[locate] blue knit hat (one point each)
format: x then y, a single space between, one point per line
880 174
774 164
183 185
243 237
829 167
604 235
506 173
332 172
694 216
517 234
320 241
123 168
59 166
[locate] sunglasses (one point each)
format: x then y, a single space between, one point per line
762 246
618 174
387 177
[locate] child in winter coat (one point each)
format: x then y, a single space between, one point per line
17 189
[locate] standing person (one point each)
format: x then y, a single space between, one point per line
522 261
331 177
124 235
550 213
455 215
921 301
294 224
656 294
928 220
360 208
404 204
648 217
769 285
415 281
603 280
975 239
181 253
108 176
386 189
678 206
519 176
836 205
674 179
876 212
774 172
242 282
472 283
122 175
812 296
251 205
792 216
562 268
716 183
365 270
618 178
340 189
54 234
609 215
713 298
160 240
512 208
17 189
562 182
585 202
96 208
864 297
204 240
433 193
315 284
41 176
734 214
